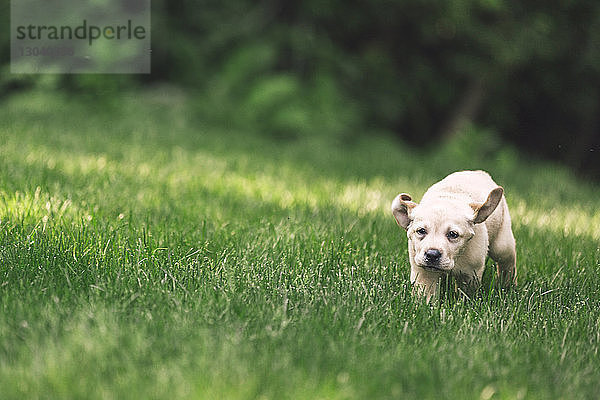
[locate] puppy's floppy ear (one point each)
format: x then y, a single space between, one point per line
483 211
401 207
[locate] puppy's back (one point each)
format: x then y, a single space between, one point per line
464 185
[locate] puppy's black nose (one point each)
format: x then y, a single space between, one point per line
433 255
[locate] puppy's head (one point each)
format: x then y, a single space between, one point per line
440 230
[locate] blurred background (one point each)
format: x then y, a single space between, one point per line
525 73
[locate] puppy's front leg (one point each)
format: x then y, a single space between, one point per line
425 283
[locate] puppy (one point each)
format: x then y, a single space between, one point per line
460 220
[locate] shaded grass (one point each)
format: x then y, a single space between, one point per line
146 254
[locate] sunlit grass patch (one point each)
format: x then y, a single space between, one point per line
568 219
37 208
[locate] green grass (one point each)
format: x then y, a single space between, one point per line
147 254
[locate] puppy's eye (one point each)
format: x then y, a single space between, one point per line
452 235
422 231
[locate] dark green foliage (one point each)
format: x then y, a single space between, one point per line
528 70
419 68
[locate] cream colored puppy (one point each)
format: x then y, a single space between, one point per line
460 220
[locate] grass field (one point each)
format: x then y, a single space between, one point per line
147 254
